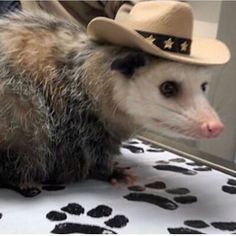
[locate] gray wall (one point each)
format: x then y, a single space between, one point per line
222 92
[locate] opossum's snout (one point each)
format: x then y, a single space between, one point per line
193 121
211 129
203 122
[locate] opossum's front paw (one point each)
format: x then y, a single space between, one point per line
29 192
122 175
25 190
28 189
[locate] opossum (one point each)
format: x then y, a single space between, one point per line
67 103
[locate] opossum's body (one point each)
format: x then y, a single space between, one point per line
57 116
64 106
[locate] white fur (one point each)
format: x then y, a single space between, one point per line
181 116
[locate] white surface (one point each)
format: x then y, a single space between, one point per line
22 215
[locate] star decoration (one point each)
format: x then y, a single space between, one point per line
168 43
150 38
184 46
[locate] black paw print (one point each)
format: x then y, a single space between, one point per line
118 221
231 187
200 224
164 165
158 200
133 147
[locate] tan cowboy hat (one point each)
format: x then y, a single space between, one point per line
161 28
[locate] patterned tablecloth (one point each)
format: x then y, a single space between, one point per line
172 195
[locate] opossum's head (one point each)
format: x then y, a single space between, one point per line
165 96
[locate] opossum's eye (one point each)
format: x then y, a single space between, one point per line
169 89
129 63
204 86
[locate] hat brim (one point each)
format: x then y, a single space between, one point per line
203 51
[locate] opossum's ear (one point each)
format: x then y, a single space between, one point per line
127 65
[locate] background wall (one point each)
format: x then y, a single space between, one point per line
206 17
222 92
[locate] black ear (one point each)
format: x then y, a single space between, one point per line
129 63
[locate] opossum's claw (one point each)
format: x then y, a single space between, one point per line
22 189
122 175
29 192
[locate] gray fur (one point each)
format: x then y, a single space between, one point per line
65 144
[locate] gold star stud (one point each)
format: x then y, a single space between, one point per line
168 43
150 39
184 46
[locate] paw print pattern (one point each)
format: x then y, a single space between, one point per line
155 150
133 149
183 230
118 221
131 146
164 165
100 211
204 168
231 187
178 160
56 216
229 226
70 228
158 200
185 199
199 166
177 169
178 191
156 185
200 224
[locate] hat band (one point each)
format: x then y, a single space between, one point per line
168 42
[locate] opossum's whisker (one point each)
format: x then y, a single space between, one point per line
117 106
173 111
177 112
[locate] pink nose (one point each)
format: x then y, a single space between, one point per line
211 129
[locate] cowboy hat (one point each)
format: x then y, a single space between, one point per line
161 28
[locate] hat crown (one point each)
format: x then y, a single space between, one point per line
163 17
161 28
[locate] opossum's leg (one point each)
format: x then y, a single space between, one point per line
100 157
107 169
122 175
17 173
23 141
70 164
102 171
111 172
